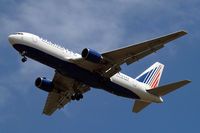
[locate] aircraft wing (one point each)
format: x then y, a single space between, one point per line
135 52
63 90
127 55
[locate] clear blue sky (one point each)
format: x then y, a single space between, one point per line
101 25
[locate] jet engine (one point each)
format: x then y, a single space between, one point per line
91 55
44 84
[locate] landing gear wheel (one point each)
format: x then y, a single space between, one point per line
77 97
24 59
80 96
73 97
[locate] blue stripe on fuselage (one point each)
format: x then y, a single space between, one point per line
75 72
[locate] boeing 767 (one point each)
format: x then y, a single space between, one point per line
76 73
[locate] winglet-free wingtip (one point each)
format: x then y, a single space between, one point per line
183 32
188 81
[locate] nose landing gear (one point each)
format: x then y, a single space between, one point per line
24 59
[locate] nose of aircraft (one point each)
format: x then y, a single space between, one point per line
11 39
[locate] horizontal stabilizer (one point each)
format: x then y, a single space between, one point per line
139 105
165 89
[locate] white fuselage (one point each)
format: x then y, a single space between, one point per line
65 55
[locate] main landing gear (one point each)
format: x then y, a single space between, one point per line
77 93
77 96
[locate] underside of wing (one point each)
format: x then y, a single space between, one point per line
54 101
135 52
63 90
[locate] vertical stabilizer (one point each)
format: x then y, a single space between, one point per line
152 75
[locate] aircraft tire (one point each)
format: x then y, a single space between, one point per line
24 59
73 97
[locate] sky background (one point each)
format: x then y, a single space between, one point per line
102 25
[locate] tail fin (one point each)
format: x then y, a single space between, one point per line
152 75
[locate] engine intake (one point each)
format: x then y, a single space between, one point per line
44 84
91 55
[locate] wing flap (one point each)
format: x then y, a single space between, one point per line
143 54
139 105
165 89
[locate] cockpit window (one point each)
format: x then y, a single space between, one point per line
18 33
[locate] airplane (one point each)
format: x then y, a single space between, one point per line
76 73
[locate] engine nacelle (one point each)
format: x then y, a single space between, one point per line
44 84
91 55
